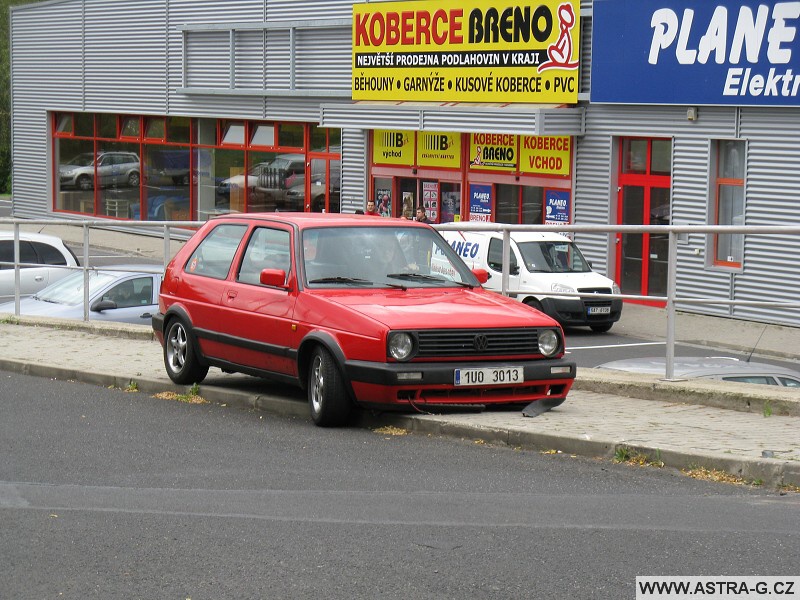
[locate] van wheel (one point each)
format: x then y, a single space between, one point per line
327 397
534 303
601 328
180 356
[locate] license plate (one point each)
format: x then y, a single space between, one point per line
489 376
599 310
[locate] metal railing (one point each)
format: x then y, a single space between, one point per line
165 229
673 231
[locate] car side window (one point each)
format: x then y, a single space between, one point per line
26 253
48 255
761 379
214 255
267 249
790 382
495 258
133 292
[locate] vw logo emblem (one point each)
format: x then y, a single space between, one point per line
481 342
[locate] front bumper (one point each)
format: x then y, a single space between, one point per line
384 383
575 311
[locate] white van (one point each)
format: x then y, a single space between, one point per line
541 263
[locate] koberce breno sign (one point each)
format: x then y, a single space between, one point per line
467 51
714 52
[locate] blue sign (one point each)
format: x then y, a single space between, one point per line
696 53
480 202
557 207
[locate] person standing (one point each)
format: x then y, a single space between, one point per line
422 217
371 209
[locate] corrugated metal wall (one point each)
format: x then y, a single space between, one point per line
354 168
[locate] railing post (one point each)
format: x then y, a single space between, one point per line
506 261
85 271
16 269
672 263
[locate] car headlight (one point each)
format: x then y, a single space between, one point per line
400 345
548 342
615 289
561 288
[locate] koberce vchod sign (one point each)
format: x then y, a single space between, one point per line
467 51
715 52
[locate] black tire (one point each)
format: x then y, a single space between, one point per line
133 179
84 183
180 355
534 303
327 396
601 328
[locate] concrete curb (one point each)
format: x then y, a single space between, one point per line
770 472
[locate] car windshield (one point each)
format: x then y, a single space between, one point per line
70 289
553 257
400 257
82 160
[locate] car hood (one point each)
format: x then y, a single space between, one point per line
428 308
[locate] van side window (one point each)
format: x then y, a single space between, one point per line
495 258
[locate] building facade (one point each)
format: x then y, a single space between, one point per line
604 112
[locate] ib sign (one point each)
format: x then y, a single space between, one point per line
393 147
467 51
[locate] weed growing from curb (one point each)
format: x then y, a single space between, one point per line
623 454
132 386
767 409
191 397
719 476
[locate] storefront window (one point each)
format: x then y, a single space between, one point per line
263 134
229 171
178 129
532 200
450 202
290 135
131 127
64 123
155 128
119 178
634 156
107 126
661 161
84 124
729 209
233 133
167 195
75 178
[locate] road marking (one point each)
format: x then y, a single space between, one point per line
616 346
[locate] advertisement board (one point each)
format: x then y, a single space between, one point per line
546 155
557 207
393 147
439 149
480 202
721 52
467 51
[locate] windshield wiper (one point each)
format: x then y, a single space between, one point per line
354 280
414 276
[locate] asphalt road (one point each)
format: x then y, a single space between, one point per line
107 494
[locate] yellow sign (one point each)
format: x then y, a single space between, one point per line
467 51
393 147
545 154
439 149
494 151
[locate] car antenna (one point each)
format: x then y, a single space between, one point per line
749 356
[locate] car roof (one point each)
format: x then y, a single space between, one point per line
695 366
303 220
523 236
30 236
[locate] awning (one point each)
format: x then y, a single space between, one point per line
525 119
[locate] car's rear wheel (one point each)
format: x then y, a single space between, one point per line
327 397
180 356
133 179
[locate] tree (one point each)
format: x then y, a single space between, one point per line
5 94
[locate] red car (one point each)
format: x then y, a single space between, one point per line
379 313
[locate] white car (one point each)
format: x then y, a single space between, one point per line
711 367
45 259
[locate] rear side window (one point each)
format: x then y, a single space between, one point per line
790 382
214 255
49 255
26 253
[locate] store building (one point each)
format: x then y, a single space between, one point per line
612 111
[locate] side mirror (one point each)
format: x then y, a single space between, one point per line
274 278
103 304
481 274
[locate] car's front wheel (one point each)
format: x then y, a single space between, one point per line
327 397
133 179
180 356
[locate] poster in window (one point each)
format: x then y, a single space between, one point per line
557 207
383 202
480 202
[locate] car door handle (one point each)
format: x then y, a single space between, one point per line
146 316
39 278
232 294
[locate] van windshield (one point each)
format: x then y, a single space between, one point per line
553 257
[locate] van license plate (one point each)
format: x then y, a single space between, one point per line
488 376
599 310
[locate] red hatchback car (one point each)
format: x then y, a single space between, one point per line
357 310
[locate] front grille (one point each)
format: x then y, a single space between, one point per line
588 301
478 342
